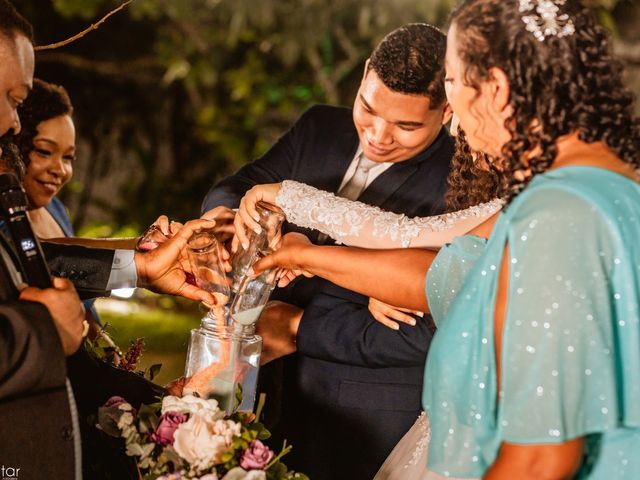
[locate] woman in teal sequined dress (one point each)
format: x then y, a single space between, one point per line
535 369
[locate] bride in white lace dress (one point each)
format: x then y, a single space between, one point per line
357 224
472 199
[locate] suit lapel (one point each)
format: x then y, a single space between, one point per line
392 179
337 161
10 276
386 184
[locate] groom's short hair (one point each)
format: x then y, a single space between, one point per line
410 60
12 23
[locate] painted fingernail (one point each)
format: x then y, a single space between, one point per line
245 245
420 314
412 322
257 229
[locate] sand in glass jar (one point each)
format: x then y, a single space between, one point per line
223 362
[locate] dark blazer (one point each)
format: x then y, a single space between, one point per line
353 388
59 213
88 268
35 414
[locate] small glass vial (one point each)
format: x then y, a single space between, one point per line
223 362
252 296
260 244
205 258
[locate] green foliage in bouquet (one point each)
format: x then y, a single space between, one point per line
104 348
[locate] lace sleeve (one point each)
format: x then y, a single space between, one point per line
361 225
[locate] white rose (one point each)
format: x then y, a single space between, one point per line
239 473
125 406
196 442
227 429
125 420
192 405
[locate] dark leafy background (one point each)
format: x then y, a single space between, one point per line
170 96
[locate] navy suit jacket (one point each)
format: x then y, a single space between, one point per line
353 388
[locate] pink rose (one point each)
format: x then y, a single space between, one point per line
167 426
114 401
256 457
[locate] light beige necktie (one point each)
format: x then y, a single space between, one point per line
358 182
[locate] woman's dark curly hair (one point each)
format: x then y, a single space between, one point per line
45 101
474 179
557 86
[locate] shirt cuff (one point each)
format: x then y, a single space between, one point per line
123 270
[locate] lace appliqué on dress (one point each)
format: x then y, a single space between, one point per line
339 217
423 443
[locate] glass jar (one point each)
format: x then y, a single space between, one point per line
223 362
261 243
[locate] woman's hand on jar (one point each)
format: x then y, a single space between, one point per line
389 316
247 216
289 256
285 276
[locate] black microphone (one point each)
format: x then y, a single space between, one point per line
13 209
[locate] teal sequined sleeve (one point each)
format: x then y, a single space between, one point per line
570 364
571 333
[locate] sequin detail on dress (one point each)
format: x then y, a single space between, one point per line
339 218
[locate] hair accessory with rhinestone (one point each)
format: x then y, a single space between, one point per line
542 19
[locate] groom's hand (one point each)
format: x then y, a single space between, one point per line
278 327
224 218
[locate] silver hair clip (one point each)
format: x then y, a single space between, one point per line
541 18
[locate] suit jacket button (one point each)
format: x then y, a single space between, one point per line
67 433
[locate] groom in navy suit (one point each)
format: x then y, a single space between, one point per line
351 387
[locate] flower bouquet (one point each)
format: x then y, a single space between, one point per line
192 438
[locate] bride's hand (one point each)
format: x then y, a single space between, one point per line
389 316
247 215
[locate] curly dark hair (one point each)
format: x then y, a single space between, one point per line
474 179
45 101
410 60
558 86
